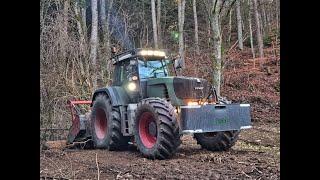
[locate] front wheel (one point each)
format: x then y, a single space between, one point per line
156 129
217 141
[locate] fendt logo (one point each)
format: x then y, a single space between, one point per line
198 88
220 121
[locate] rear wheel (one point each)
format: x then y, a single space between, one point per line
156 129
217 141
106 125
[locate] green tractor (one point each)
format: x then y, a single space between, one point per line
147 107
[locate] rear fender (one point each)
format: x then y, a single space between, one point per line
117 95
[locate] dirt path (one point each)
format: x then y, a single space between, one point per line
256 155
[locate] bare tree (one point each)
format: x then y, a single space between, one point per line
64 35
277 14
94 42
259 35
79 26
82 42
263 18
103 17
108 41
154 23
84 18
239 22
230 26
250 31
196 31
104 49
181 7
215 25
159 22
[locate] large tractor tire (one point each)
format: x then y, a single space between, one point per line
156 129
217 141
106 125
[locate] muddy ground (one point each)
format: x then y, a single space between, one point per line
255 156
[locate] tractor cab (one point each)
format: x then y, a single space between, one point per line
134 68
143 64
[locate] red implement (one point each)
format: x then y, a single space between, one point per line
80 122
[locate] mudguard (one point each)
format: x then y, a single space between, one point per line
117 95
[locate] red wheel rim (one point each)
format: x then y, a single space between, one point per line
100 124
148 130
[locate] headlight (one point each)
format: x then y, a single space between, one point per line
132 86
134 78
192 103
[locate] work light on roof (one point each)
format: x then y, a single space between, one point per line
152 53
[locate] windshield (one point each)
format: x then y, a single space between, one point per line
152 69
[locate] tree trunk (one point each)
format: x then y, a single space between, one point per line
164 10
159 22
84 20
107 33
64 36
264 18
277 14
181 7
108 43
259 35
239 22
81 35
268 18
250 31
230 27
80 31
103 17
216 46
94 42
104 49
196 36
154 24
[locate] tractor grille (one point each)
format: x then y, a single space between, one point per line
191 88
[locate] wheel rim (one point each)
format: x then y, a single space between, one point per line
100 124
148 130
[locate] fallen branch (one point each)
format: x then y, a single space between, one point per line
97 166
49 177
246 174
77 143
257 170
235 44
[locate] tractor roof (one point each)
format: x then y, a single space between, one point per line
147 53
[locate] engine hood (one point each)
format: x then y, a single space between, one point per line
191 88
178 89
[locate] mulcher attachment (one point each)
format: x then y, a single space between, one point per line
79 131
